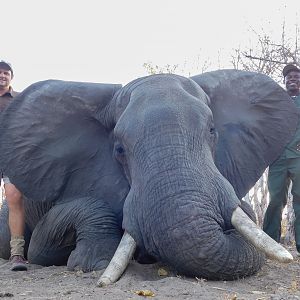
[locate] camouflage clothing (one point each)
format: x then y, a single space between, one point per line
282 172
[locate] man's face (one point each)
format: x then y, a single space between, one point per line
292 82
5 78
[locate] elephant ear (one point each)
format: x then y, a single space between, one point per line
254 117
51 145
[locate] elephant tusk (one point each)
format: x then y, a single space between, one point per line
119 262
250 231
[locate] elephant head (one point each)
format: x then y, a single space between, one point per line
189 148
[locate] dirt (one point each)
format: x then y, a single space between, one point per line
275 281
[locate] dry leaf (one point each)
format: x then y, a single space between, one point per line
146 293
294 286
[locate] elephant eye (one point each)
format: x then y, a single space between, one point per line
119 150
120 155
212 130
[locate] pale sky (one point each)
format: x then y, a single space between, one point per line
108 41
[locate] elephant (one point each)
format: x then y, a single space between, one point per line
166 159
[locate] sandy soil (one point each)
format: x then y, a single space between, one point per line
275 281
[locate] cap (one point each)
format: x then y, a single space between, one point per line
288 68
7 66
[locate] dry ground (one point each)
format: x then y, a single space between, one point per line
275 281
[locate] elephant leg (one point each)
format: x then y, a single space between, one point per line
81 233
98 235
52 240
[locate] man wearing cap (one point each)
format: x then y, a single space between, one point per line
16 219
285 169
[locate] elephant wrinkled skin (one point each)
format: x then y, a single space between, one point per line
170 156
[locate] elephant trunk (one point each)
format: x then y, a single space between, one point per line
201 242
204 240
195 228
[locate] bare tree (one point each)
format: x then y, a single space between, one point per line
198 65
268 56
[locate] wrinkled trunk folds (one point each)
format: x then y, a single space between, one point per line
197 244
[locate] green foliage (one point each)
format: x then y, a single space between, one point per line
155 69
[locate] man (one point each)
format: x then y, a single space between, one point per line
286 169
16 219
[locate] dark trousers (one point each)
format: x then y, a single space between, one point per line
281 173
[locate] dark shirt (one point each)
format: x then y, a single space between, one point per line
7 98
291 148
5 101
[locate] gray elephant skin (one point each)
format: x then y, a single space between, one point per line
165 158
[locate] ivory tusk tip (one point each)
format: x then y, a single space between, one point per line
288 258
283 257
246 227
104 281
285 260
